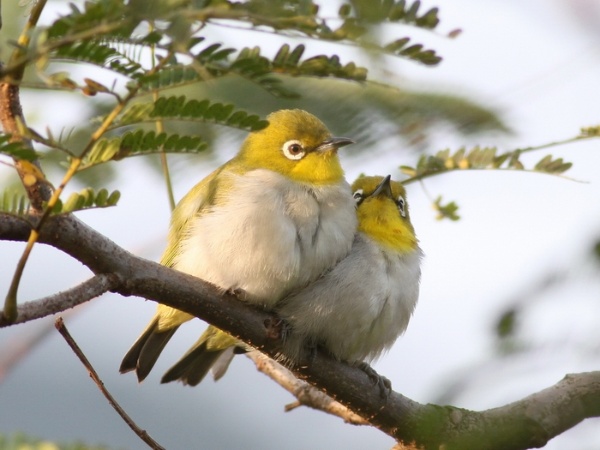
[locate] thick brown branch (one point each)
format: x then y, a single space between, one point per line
62 301
528 423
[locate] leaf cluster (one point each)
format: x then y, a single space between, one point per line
158 51
477 158
480 158
17 203
87 199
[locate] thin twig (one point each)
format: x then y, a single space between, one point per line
19 346
144 436
52 304
160 128
306 394
20 49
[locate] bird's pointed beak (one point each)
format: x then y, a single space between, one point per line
384 188
333 144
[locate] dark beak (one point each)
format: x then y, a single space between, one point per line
384 188
333 144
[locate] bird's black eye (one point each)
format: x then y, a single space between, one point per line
358 196
293 150
401 205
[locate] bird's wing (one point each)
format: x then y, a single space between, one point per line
192 204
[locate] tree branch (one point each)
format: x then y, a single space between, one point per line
530 422
306 394
12 119
142 434
92 288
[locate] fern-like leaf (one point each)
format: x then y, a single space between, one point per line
415 52
179 108
478 158
101 55
593 131
87 199
249 63
93 14
14 203
141 142
378 11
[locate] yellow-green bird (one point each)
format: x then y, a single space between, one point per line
355 310
264 224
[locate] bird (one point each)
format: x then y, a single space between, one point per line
355 310
358 309
265 223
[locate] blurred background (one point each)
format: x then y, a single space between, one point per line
510 294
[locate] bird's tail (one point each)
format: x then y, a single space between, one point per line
143 354
215 349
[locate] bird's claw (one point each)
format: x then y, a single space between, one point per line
385 385
238 293
276 328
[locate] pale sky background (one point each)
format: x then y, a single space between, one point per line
535 61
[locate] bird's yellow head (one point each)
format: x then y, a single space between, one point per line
383 212
297 145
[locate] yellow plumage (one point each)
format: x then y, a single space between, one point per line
267 222
355 310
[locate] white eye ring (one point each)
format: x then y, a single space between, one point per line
293 150
401 205
358 195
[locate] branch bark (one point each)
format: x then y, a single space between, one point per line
527 423
306 394
43 307
38 188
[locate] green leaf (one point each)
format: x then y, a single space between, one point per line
552 166
506 324
93 14
15 203
179 108
414 52
99 54
447 211
87 199
380 11
18 150
250 64
480 158
590 131
141 142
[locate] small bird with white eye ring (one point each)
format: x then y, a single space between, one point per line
359 308
354 311
264 224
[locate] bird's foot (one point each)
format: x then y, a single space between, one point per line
277 329
238 293
385 385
